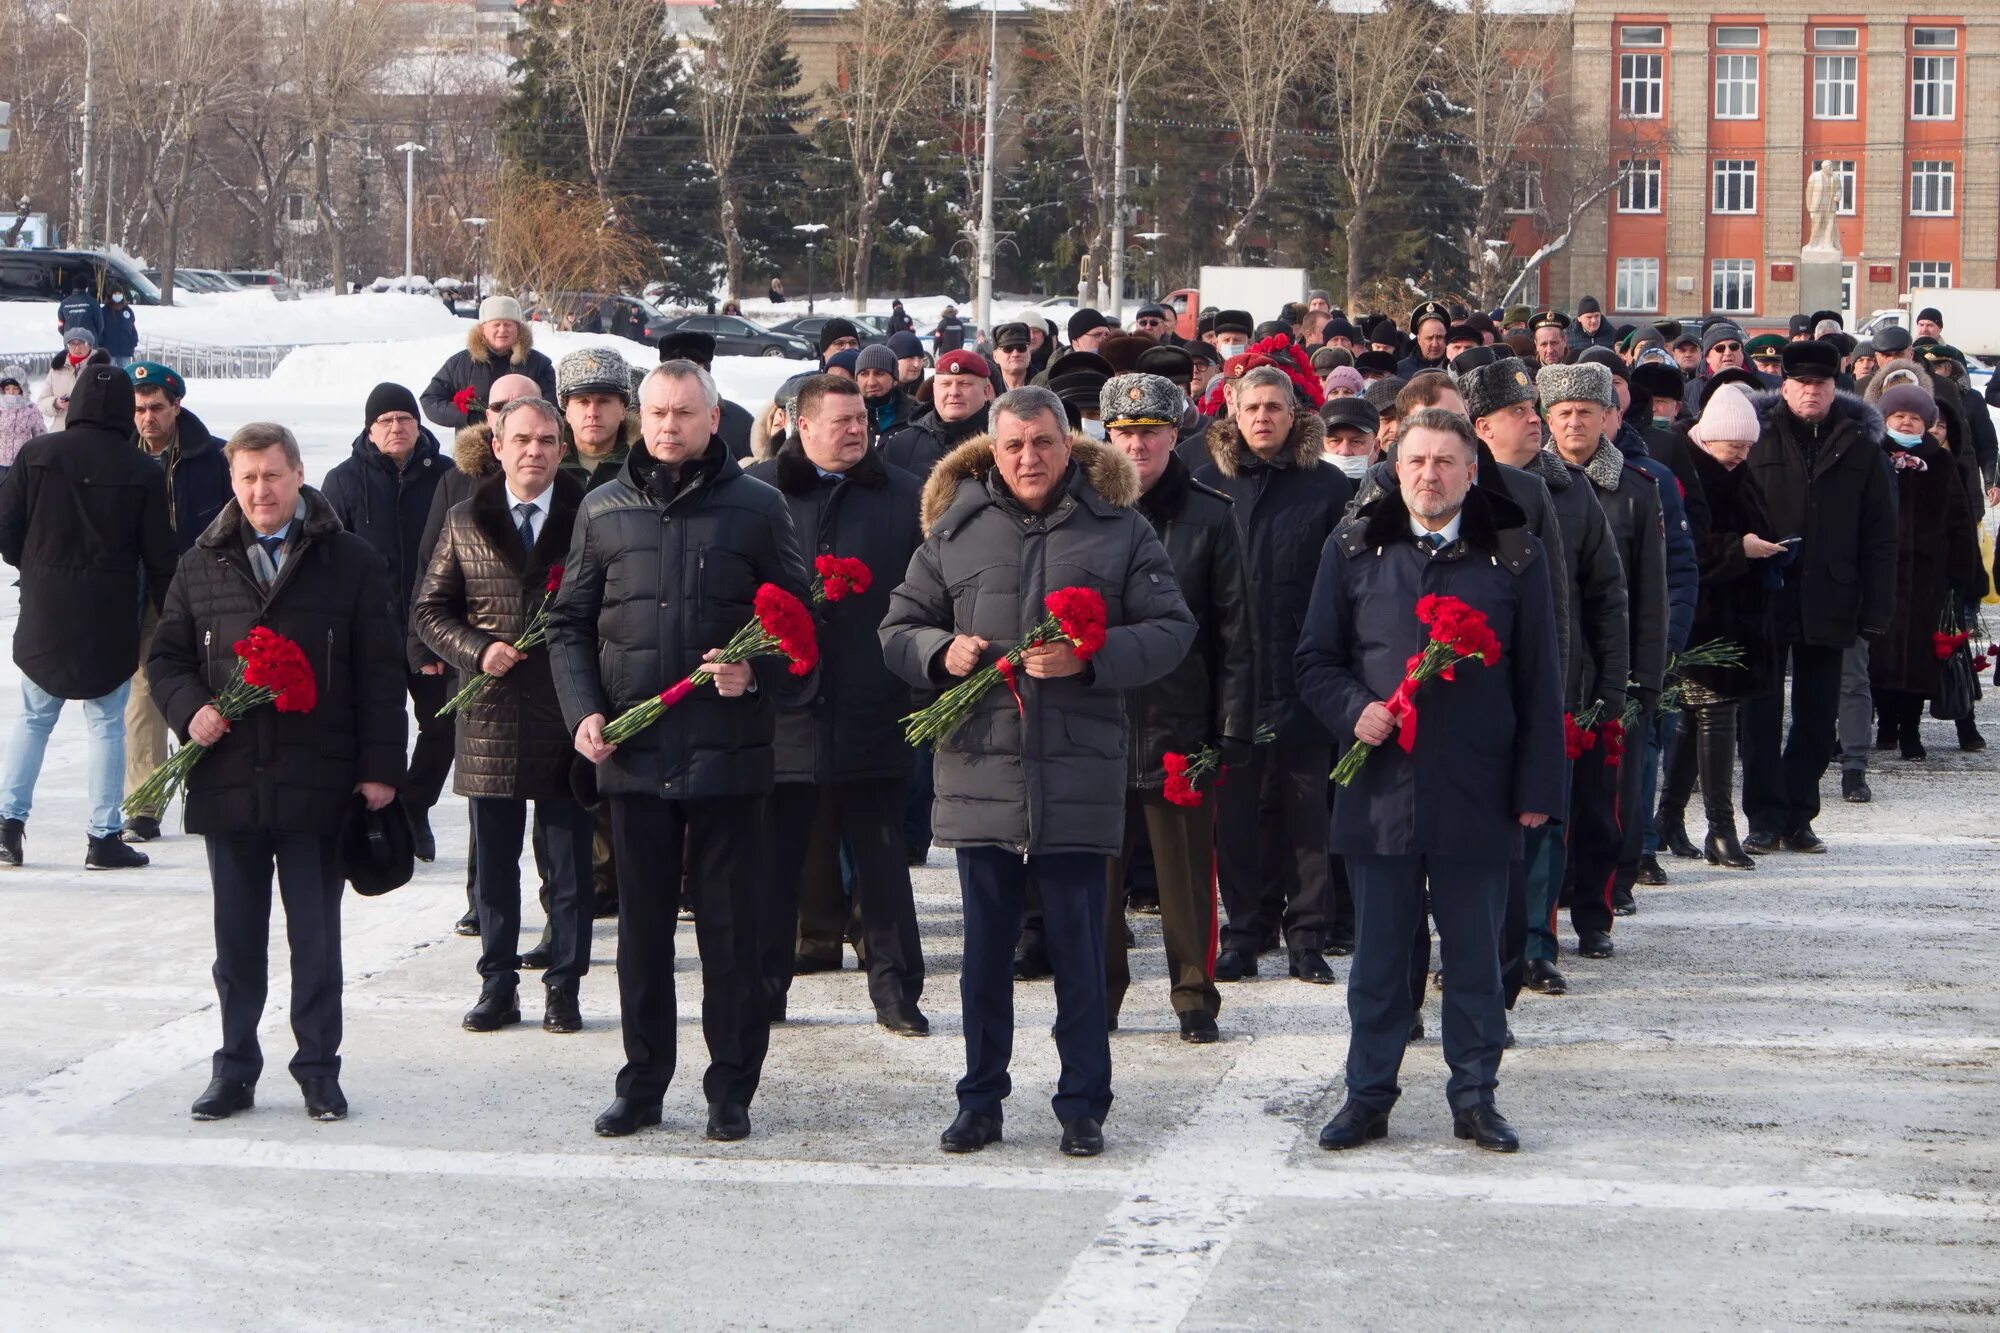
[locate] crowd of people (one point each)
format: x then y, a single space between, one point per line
1695 552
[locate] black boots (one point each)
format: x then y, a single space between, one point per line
1676 786
112 852
1715 756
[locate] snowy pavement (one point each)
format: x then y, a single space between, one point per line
1776 1108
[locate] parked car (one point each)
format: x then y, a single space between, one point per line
735 336
602 312
808 327
264 277
48 275
198 280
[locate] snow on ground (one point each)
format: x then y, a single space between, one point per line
252 319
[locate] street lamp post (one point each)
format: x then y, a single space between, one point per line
409 152
478 226
1152 241
82 221
811 231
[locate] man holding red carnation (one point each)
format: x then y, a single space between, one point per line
1031 783
842 764
1485 760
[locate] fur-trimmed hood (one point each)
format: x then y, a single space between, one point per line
1305 447
475 343
472 449
1846 406
1107 474
1899 370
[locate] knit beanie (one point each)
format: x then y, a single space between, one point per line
385 398
1908 398
875 356
1728 416
1345 377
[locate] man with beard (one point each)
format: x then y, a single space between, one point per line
889 408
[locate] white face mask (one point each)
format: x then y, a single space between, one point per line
1354 465
1229 349
1094 429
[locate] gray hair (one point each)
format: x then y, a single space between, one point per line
529 404
1030 400
258 436
686 370
1826 326
1264 377
1447 423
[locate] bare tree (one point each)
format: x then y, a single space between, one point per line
549 236
1586 164
1257 60
1374 67
1084 49
605 56
731 91
890 52
45 85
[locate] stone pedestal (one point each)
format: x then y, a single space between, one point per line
1819 280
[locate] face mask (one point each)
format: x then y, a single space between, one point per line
1094 429
1228 350
1902 441
1354 465
1663 423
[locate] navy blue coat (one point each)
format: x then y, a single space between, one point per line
197 481
387 507
79 310
118 329
1489 744
1683 566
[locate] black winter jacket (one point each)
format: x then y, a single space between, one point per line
1211 697
658 574
481 589
1631 502
289 772
1285 509
917 447
472 461
1734 603
1829 484
387 506
1599 662
197 480
850 729
479 365
83 516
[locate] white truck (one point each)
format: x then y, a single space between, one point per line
1971 317
1261 291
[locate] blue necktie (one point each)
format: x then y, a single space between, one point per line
273 547
526 513
1435 540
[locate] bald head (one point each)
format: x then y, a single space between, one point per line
509 387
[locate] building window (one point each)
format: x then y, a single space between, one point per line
1929 273
1738 37
1834 82
1931 189
1845 171
1640 82
1524 188
1732 285
1934 88
1935 39
1736 87
1639 185
1642 36
1836 39
1638 286
1735 186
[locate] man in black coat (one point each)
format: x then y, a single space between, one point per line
961 389
276 787
197 489
889 408
842 764
1819 466
1449 809
83 516
1429 323
1209 700
382 494
663 570
1271 838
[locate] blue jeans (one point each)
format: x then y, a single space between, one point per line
28 740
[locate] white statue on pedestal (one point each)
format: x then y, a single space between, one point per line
1823 203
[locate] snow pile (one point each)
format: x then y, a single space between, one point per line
253 319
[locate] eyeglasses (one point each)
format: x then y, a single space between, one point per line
1727 347
393 419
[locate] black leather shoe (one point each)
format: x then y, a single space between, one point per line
222 1098
1543 977
1854 787
625 1116
1198 1028
1805 840
323 1098
559 1010
423 842
10 841
1485 1127
1722 849
536 959
1594 944
1353 1125
1234 965
803 965
1759 844
1031 961
467 924
1651 872
728 1124
1310 965
1341 946
1911 747
141 828
499 1004
1082 1137
903 1018
1416 1026
1623 904
1969 739
111 852
1673 835
969 1132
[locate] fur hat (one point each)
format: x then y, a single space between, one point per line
1140 400
1908 398
1585 382
1487 389
500 307
593 370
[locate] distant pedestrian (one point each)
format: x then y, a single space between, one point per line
498 344
80 349
118 331
80 310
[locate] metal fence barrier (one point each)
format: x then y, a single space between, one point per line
193 360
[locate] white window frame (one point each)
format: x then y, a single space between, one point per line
1642 35
1737 175
1636 287
1933 87
1847 275
1836 87
1737 277
1933 188
1934 39
1639 188
1738 76
1836 39
1524 188
1739 39
1849 173
1931 273
1641 72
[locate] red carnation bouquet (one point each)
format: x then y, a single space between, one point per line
1185 771
1458 633
270 669
534 636
781 627
839 577
467 400
1075 614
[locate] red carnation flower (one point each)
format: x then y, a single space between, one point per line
838 577
1080 616
467 400
555 580
785 618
